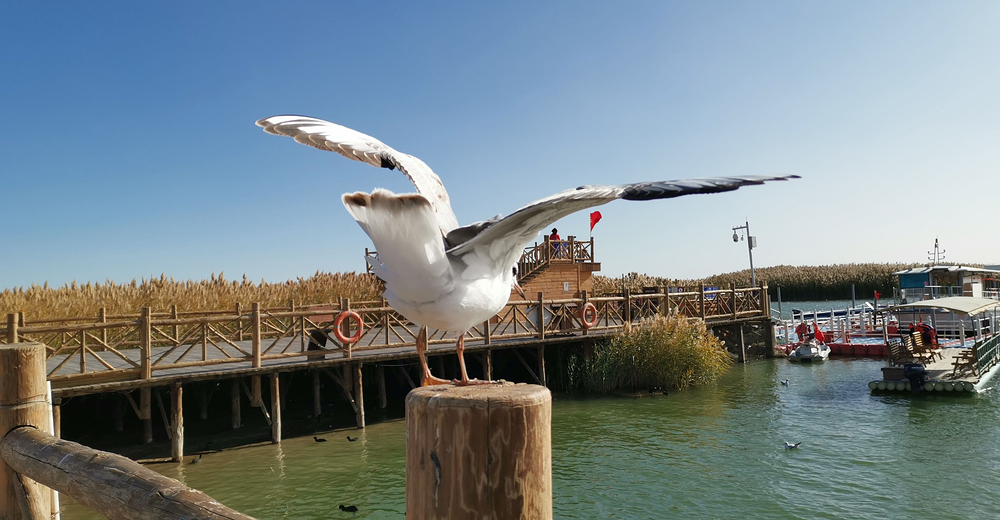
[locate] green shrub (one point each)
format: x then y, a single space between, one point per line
666 352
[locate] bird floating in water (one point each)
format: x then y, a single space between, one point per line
784 383
319 439
442 275
790 446
198 460
349 439
349 509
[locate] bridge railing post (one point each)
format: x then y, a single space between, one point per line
146 342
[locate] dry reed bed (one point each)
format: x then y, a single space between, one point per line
44 302
796 282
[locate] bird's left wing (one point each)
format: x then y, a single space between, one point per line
352 144
498 245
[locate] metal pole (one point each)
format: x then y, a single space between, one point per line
753 279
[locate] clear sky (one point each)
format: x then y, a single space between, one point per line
129 149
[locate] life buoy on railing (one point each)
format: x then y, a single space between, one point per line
588 308
340 319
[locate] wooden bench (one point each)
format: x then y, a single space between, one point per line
920 350
965 361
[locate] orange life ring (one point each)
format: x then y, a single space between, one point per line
583 315
340 319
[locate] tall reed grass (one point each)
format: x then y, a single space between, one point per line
797 282
43 301
663 352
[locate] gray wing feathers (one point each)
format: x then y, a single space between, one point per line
352 144
508 236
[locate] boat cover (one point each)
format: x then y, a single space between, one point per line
960 304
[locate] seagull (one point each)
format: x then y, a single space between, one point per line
784 383
790 446
442 275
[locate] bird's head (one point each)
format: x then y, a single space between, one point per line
516 286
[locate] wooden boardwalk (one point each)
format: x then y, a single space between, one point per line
111 353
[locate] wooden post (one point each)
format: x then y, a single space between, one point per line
359 396
383 399
146 413
57 417
732 289
345 305
176 422
102 316
23 402
146 343
234 396
743 345
239 322
255 333
256 399
572 251
173 315
453 470
541 316
488 365
541 365
627 302
275 408
112 485
317 395
702 302
583 295
12 328
486 332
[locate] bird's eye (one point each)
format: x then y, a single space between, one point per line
515 270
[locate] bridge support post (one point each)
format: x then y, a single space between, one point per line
176 422
275 408
383 400
317 395
452 468
23 402
146 414
359 396
234 398
488 364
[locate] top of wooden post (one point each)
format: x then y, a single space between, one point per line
22 374
500 394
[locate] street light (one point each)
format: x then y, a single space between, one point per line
751 243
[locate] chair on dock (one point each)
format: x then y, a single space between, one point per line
965 361
899 354
915 343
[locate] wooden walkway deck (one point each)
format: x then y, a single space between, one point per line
111 353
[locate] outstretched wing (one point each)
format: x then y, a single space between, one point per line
365 148
497 246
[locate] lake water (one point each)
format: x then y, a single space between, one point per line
714 452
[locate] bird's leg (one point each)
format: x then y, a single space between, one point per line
428 379
465 381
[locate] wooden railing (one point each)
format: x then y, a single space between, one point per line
987 353
117 348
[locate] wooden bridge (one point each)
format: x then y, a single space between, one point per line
122 353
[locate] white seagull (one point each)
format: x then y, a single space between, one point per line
442 275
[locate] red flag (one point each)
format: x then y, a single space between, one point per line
595 217
877 295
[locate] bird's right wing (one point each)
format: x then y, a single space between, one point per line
497 246
365 148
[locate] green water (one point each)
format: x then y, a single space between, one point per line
708 453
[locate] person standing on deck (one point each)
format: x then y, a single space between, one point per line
558 248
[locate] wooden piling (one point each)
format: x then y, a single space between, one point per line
275 408
146 414
176 422
359 396
317 395
383 399
234 396
488 365
12 328
453 470
23 402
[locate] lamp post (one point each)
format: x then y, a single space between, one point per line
751 243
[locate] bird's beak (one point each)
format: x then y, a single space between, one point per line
517 287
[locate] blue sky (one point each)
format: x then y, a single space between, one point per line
129 148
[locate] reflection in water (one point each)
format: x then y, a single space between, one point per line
705 453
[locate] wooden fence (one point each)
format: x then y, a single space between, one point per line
105 348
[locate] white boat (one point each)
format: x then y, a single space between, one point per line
810 351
